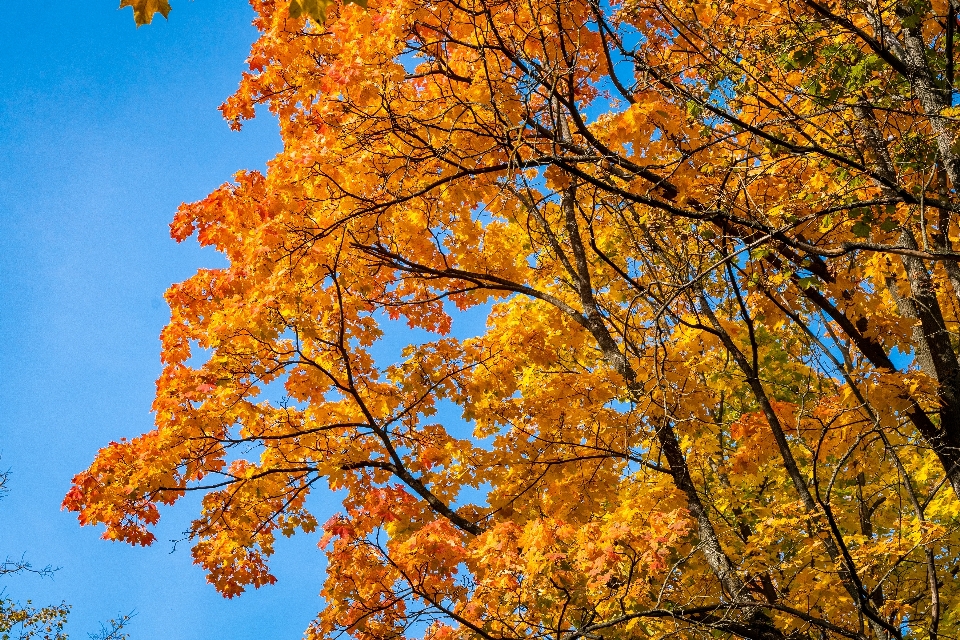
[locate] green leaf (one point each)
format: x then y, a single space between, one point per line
912 21
144 10
802 58
889 225
861 229
316 10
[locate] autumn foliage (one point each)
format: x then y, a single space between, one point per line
718 389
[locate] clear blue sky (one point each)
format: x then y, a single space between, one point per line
104 131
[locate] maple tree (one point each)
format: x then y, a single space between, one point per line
718 389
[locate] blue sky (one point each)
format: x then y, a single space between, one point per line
104 130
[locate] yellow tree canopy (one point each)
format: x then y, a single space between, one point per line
717 393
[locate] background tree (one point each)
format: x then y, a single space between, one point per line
718 391
26 622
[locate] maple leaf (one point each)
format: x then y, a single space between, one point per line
144 10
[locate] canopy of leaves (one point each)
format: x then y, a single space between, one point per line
28 622
703 235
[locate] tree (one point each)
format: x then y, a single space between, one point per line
718 391
28 621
